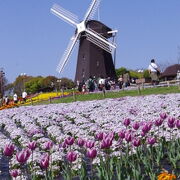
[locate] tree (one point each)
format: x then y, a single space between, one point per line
121 71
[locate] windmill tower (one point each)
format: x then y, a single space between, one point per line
95 51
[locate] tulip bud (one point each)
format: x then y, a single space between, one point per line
171 120
127 122
23 156
178 124
91 153
122 134
136 125
128 137
163 116
106 143
14 173
80 142
158 122
8 150
44 163
136 142
48 145
151 140
69 141
89 144
32 145
99 136
71 156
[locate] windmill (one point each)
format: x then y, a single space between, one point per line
95 51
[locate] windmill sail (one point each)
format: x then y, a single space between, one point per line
99 40
65 15
92 9
67 53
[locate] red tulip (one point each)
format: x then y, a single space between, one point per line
122 134
163 116
8 150
106 143
136 125
151 140
99 136
128 137
158 122
80 142
136 142
127 122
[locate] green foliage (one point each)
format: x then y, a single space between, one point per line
135 74
146 74
121 71
67 83
34 85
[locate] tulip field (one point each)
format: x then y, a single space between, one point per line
127 138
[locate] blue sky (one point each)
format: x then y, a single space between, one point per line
32 40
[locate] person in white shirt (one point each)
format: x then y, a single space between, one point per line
101 83
24 96
153 71
15 98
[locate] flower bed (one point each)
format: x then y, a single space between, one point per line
130 137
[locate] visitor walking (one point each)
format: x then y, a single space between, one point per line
24 96
154 72
15 98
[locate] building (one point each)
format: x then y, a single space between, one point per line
170 72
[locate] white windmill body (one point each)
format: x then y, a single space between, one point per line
95 39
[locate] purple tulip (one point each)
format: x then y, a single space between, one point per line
163 116
8 150
89 144
23 155
80 142
32 145
69 141
122 134
145 128
99 136
127 122
63 145
106 143
136 142
91 153
71 156
158 122
171 120
136 125
44 163
178 124
14 173
48 145
128 137
151 140
171 125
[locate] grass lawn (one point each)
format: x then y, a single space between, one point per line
115 94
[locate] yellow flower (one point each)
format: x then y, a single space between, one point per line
166 176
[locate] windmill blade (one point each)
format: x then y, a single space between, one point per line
92 9
67 53
65 15
99 40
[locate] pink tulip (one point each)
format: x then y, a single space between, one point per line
80 142
32 145
14 173
8 150
71 156
23 156
145 128
136 142
90 144
91 153
99 136
158 122
44 163
136 125
48 145
63 145
163 116
122 134
151 140
178 124
127 122
69 141
171 125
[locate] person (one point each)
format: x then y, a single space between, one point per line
153 71
101 83
108 83
15 98
6 100
90 84
120 82
24 96
126 79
